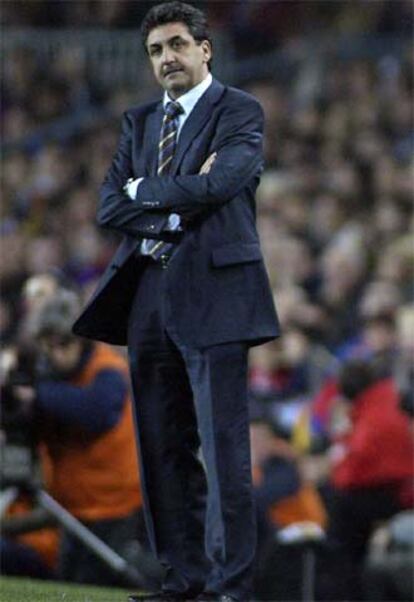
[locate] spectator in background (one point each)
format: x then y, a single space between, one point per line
376 342
42 287
372 471
388 572
292 369
283 498
343 274
86 429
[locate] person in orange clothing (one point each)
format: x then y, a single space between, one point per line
86 432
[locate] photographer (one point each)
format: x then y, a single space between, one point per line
86 437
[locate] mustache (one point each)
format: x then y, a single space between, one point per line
171 69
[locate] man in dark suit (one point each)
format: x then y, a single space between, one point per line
188 292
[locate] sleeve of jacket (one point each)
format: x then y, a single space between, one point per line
281 480
96 407
238 144
116 210
362 464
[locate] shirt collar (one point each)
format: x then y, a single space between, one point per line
190 98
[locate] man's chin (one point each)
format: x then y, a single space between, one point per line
176 86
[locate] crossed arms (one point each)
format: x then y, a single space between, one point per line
236 158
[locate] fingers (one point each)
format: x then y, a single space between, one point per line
205 168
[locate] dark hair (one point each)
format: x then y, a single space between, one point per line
355 376
176 12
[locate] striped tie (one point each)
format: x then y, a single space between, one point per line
158 249
168 138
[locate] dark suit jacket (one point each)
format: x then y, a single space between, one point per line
218 289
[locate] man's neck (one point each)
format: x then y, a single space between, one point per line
202 86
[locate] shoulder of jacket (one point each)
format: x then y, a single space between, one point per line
240 96
141 111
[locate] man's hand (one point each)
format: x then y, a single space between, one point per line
208 163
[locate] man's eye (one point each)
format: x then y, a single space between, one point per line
177 44
155 51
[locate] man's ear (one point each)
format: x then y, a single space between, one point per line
207 50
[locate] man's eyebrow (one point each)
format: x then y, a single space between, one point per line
174 38
169 41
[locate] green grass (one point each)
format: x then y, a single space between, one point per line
32 590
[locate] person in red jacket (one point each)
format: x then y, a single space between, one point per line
372 470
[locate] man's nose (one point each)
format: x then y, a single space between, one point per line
167 56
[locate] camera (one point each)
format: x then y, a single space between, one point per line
18 367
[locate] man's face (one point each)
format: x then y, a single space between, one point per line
63 353
179 62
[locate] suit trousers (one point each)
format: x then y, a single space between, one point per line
198 506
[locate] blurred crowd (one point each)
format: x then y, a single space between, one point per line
263 24
335 219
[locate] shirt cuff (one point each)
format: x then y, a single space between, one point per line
131 188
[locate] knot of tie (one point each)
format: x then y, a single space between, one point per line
173 109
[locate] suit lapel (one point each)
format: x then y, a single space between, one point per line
198 117
193 125
152 135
